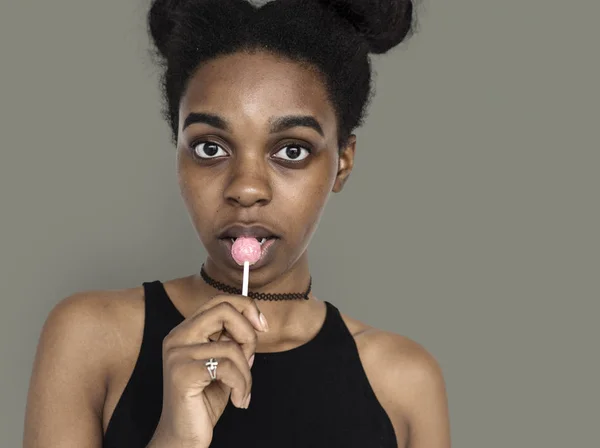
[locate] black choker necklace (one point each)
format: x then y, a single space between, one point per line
255 295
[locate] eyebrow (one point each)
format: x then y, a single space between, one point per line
279 124
291 121
212 120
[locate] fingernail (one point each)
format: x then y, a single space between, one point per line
263 321
248 400
251 360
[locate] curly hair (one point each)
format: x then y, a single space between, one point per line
333 36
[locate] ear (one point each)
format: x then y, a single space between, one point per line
345 164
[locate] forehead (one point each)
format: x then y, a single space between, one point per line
257 86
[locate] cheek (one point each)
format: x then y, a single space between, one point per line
315 199
304 200
199 194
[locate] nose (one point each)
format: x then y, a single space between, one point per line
249 183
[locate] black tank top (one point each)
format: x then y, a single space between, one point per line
316 395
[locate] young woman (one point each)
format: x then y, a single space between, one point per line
262 102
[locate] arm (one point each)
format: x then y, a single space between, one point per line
68 382
426 405
410 385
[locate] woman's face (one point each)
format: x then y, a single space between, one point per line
257 156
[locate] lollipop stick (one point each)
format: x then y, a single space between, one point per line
246 275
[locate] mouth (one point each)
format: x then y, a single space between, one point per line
261 241
265 237
266 251
261 233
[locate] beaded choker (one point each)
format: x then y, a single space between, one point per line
255 295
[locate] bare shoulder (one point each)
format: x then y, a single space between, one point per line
101 318
371 339
99 323
404 362
410 365
81 340
408 382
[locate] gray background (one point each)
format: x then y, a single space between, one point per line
473 208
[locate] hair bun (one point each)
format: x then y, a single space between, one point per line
382 23
161 22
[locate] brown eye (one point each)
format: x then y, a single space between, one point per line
208 150
293 153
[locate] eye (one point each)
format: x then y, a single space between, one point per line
208 150
294 153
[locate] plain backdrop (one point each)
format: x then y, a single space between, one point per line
470 223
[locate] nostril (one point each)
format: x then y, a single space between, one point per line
247 193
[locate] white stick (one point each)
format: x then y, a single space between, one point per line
246 275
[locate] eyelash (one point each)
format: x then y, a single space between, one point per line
193 146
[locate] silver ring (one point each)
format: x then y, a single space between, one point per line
211 365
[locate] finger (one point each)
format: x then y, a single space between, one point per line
231 379
191 377
245 305
218 318
219 350
220 336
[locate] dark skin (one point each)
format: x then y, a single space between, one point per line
246 178
253 182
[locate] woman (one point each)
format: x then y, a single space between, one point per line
262 102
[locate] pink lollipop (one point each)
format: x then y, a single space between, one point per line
246 251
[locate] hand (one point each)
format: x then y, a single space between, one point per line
192 402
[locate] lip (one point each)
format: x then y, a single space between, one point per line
257 231
266 254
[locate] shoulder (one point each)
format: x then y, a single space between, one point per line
81 341
398 357
100 310
401 362
95 322
412 381
407 380
409 366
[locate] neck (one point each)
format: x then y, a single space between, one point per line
280 314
